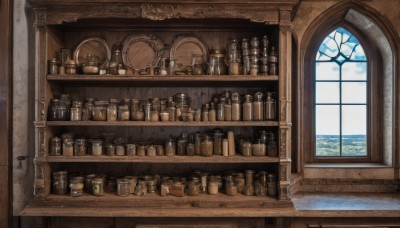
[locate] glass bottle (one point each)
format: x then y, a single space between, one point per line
55 146
111 112
68 147
181 144
197 143
249 188
80 147
97 148
122 187
123 113
217 147
270 107
115 61
190 145
247 108
204 112
98 186
228 110
147 112
258 107
206 146
271 186
221 110
259 148
212 113
60 182
163 69
236 107
273 62
170 148
100 111
272 146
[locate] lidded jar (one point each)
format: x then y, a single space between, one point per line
55 146
207 146
170 147
60 182
270 106
258 107
100 111
181 144
123 113
236 107
247 108
80 147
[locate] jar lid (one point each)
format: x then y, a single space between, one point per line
56 139
70 62
80 140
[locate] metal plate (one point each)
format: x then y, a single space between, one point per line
95 46
184 47
142 50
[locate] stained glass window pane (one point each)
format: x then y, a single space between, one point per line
341 89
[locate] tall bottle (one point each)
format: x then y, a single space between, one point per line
270 106
115 61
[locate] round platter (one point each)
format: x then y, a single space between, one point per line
142 50
184 47
95 46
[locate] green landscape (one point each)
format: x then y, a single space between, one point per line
352 145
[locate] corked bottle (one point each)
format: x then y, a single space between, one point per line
221 110
212 113
206 146
247 108
270 106
236 107
258 107
181 144
228 110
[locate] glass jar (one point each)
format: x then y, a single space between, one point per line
55 146
88 183
247 149
247 108
110 149
220 109
181 144
193 188
228 110
76 187
258 107
273 62
122 187
87 111
53 66
70 67
212 187
132 181
236 107
270 106
123 113
151 186
141 150
151 151
271 186
98 186
80 147
216 65
217 147
163 69
231 188
170 149
76 114
111 185
240 183
249 188
111 112
154 116
97 148
259 148
272 146
130 149
57 110
259 189
68 147
60 182
160 150
207 146
190 145
204 112
100 111
197 144
212 113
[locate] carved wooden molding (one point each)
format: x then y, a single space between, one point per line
42 109
40 19
283 108
41 142
283 144
283 172
38 187
284 193
157 12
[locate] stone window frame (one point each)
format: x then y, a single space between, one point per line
380 42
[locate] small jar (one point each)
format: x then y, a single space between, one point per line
164 116
123 113
97 148
258 107
207 146
190 148
98 186
100 111
110 149
217 147
141 150
151 186
272 146
151 151
240 183
170 147
122 187
259 189
197 144
70 67
160 150
270 107
271 186
111 185
193 188
247 149
80 147
154 116
76 187
76 114
259 148
220 109
231 188
138 115
130 149
212 113
60 182
111 112
119 150
228 110
181 144
132 181
53 66
68 147
88 183
147 112
212 187
236 107
247 108
55 146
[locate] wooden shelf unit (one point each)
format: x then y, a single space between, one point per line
59 24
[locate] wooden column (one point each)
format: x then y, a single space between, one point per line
6 9
285 103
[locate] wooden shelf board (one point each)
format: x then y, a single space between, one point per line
154 200
163 81
167 78
164 159
164 124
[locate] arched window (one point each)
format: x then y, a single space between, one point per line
341 97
